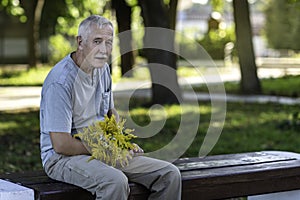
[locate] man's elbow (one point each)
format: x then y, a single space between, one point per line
58 143
58 148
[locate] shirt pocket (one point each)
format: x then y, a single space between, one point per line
104 103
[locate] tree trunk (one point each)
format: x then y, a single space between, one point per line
173 13
29 10
33 11
36 29
123 14
250 83
159 50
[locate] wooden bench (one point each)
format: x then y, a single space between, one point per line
286 65
280 63
212 177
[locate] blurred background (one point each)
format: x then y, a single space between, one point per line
40 33
252 51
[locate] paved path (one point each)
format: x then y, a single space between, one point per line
19 97
29 97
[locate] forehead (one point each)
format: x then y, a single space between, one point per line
105 31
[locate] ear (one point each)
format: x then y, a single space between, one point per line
79 42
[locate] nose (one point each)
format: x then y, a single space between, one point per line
102 48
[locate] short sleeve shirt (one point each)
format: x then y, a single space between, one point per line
72 100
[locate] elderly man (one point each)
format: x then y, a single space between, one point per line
76 93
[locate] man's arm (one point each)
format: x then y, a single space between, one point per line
64 143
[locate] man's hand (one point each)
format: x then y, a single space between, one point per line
115 113
137 150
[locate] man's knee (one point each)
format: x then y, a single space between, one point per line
115 184
120 183
173 189
174 172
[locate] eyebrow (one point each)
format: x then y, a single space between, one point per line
100 38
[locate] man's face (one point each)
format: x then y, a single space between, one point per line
97 47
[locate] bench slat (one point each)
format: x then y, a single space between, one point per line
54 191
240 181
230 161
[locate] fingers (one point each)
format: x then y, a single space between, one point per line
137 149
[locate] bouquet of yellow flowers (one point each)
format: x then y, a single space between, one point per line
109 141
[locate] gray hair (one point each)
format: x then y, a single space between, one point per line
85 26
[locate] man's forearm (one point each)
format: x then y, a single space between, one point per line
64 143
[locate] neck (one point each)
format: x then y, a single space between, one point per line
79 61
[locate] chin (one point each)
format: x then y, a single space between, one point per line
99 65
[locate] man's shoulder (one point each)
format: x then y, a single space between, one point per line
63 72
61 75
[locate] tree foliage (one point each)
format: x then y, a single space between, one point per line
283 24
217 5
14 8
45 19
29 12
76 11
66 24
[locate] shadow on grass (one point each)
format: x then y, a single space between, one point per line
9 73
19 140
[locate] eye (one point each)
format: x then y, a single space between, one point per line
97 41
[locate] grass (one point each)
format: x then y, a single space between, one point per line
283 86
19 140
248 127
23 77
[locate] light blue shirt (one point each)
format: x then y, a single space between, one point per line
71 100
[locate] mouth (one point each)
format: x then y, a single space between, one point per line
101 57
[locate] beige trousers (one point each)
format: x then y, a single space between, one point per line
163 179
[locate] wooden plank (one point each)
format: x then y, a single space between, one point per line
282 63
22 174
239 181
238 156
138 192
60 191
32 180
292 168
229 161
47 188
